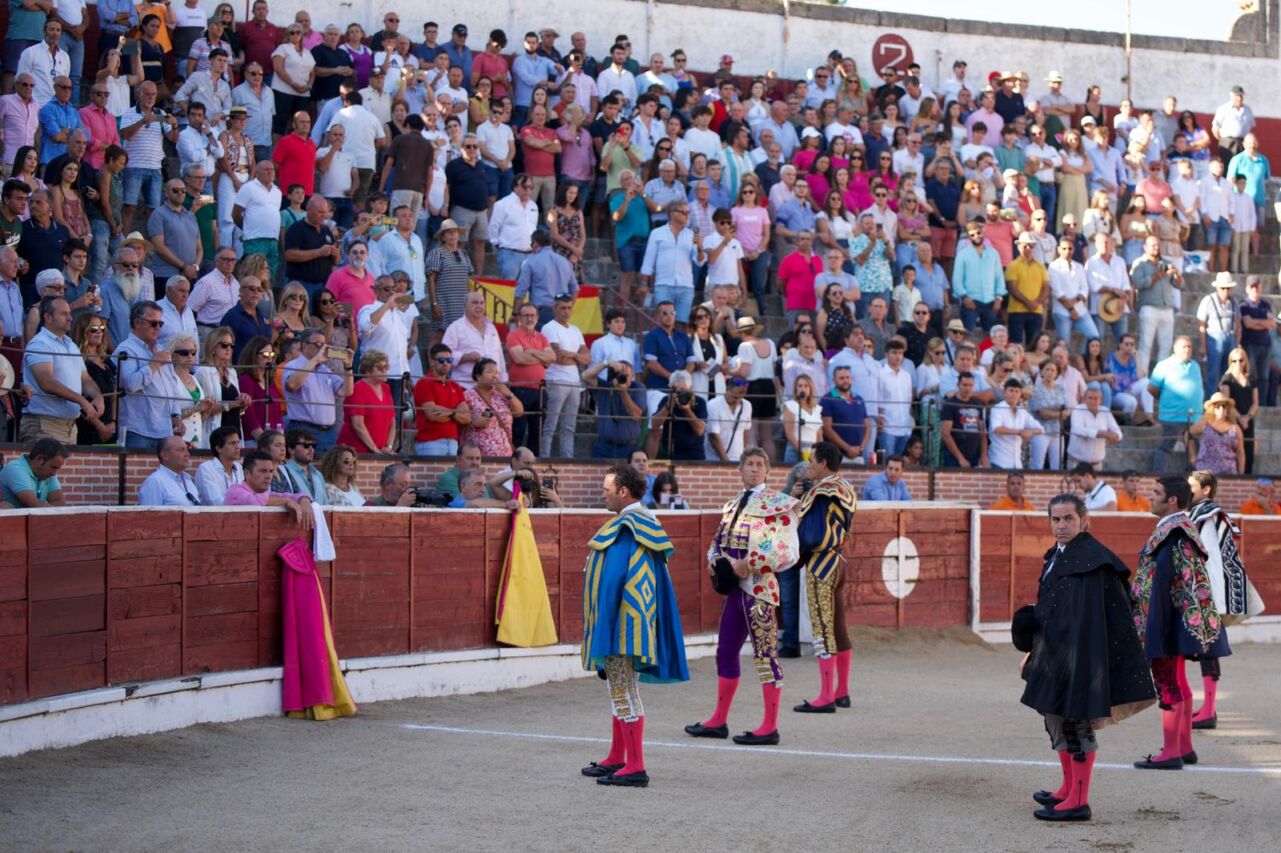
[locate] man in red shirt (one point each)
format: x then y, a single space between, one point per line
259 37
540 145
295 156
528 354
352 284
438 407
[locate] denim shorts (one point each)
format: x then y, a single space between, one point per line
1219 232
682 298
142 185
631 254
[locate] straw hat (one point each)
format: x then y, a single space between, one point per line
748 325
957 326
1026 239
1220 398
1225 280
135 238
1111 307
449 225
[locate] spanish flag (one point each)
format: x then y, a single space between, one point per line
500 295
524 611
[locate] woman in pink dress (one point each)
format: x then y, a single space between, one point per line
68 207
493 406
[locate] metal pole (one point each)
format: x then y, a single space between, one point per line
1129 52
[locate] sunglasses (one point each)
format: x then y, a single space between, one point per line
125 266
95 328
253 73
322 303
738 382
155 324
267 354
664 148
444 360
749 191
470 146
921 313
185 352
307 444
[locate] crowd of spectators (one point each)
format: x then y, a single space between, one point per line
232 235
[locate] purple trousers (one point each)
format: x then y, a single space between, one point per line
746 616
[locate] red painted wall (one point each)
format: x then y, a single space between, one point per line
113 596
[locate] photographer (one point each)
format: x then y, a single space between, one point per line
394 487
620 408
1154 281
538 491
679 423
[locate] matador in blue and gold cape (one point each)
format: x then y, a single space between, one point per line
629 604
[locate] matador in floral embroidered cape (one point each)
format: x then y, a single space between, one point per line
631 624
757 539
1175 617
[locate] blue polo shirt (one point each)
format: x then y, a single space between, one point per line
672 352
1256 169
848 416
1182 391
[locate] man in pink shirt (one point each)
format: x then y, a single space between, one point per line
19 117
99 124
255 490
352 284
1154 189
796 274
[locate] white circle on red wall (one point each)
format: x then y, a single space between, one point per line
900 567
891 50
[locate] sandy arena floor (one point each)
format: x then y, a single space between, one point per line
937 754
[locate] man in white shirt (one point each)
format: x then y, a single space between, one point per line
1216 220
198 143
170 484
497 150
910 104
822 88
894 400
1049 159
729 423
511 225
337 176
385 326
657 75
45 62
1106 275
699 139
950 90
616 78
1098 495
364 136
257 214
178 316
1070 291
375 96
845 126
1011 426
1093 430
216 292
563 390
910 159
1186 192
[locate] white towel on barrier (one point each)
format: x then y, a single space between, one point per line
322 545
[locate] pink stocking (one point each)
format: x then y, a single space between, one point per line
725 689
617 747
772 693
1079 795
634 736
1065 761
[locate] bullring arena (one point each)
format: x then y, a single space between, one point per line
179 613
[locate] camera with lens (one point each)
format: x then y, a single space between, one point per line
431 498
682 398
617 377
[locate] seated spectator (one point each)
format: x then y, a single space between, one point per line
887 485
1129 499
170 484
369 414
493 407
679 423
439 407
217 475
1262 502
144 411
31 479
299 474
1012 427
1098 495
312 390
620 408
338 467
258 360
729 423
395 487
256 490
1013 498
845 418
961 422
468 457
471 493
1093 430
665 493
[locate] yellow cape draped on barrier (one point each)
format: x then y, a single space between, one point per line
524 610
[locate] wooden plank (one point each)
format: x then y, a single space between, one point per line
152 526
13 535
142 601
144 633
222 562
129 549
69 679
145 571
49 532
220 657
13 576
222 628
13 620
72 554
220 526
68 650
67 580
68 615
222 598
146 664
372 524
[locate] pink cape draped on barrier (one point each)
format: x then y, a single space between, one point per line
313 685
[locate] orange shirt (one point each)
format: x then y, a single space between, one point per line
525 375
1007 503
1124 503
1252 507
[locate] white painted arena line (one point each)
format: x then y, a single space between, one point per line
808 753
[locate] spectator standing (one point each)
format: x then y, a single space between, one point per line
178 316
143 130
1108 279
58 118
257 214
630 214
19 118
259 104
1257 325
512 224
1232 122
471 338
845 416
1093 431
796 276
620 406
729 423
493 407
1028 284
300 476
311 251
295 154
1154 282
386 325
312 391
144 410
44 60
1217 318
371 413
1243 213
666 350
408 165
670 254
364 136
1177 386
961 421
175 236
338 177
1070 289
564 383
215 293
679 423
1012 427
31 479
42 241
402 251
543 277
1049 405
243 318
977 283
894 401
439 407
293 75
54 369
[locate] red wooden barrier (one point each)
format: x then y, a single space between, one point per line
1013 546
97 597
